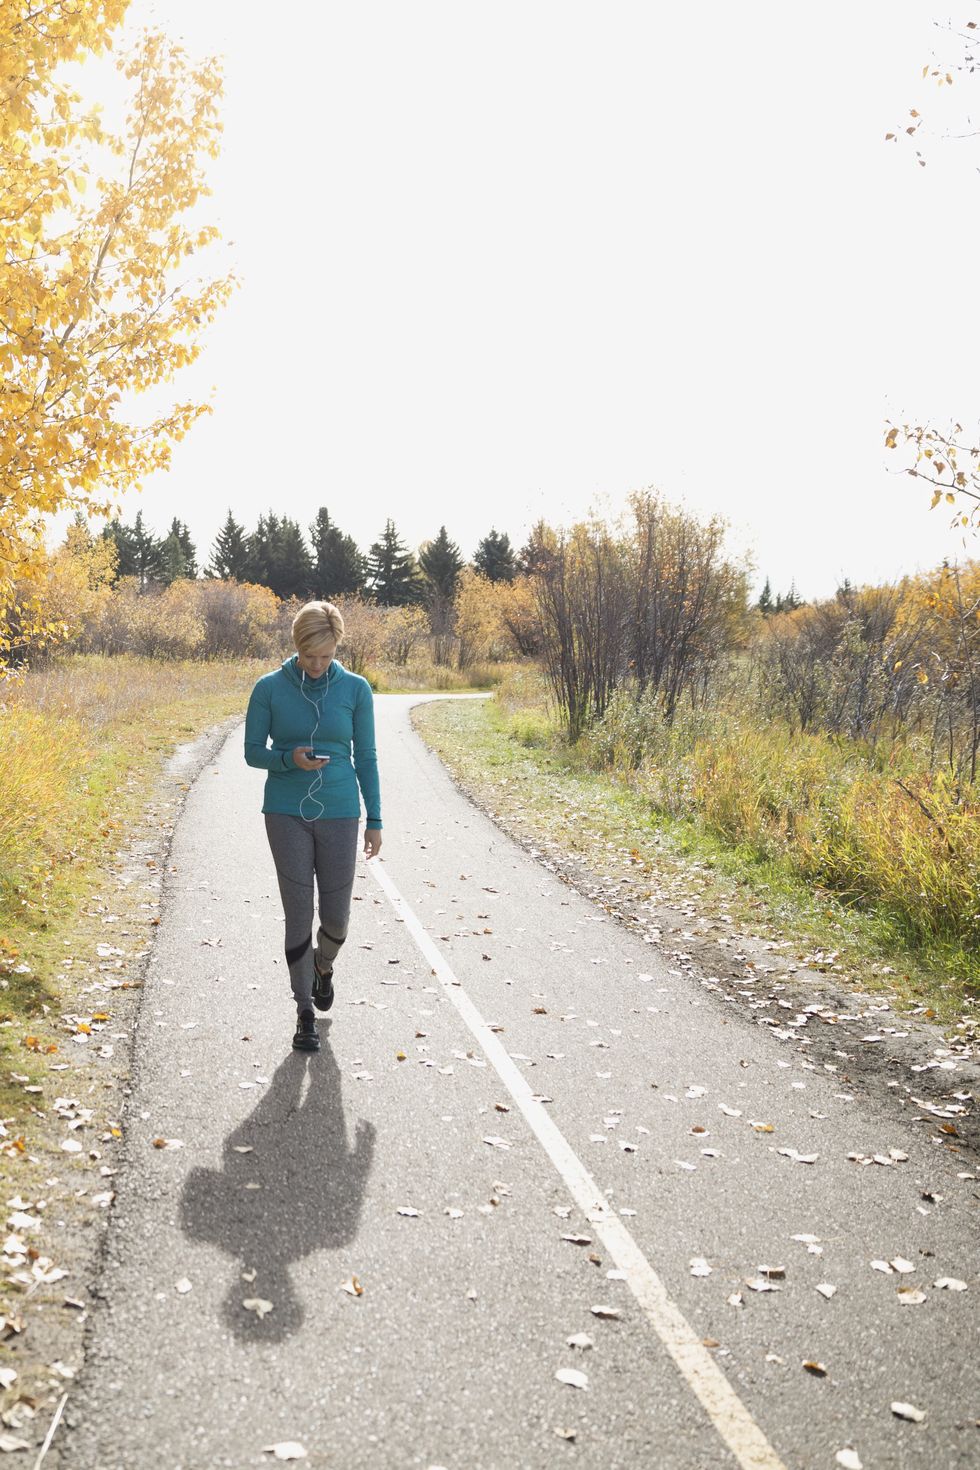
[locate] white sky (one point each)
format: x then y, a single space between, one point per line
504 258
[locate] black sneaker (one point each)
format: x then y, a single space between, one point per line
322 988
306 1038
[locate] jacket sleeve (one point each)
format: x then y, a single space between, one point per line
366 756
258 723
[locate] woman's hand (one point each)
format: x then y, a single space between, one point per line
301 758
372 842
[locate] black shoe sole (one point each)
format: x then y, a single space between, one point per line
306 1043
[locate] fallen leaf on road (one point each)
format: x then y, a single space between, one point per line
605 1312
10 1442
848 1460
565 1433
578 1239
257 1305
407 1210
168 1143
699 1266
183 1286
573 1377
578 1340
950 1283
288 1449
825 1289
817 1369
907 1411
899 1263
910 1296
353 1286
496 1142
243 1148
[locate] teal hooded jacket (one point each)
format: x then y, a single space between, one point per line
283 712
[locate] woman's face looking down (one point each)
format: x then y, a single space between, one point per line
316 664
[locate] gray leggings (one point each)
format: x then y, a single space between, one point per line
327 849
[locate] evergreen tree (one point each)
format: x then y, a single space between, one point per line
495 558
261 550
441 565
765 603
393 575
229 559
173 566
292 565
339 566
149 552
787 601
122 538
139 552
189 550
178 555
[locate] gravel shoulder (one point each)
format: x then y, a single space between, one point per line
58 1187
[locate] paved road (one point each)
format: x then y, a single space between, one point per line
294 1170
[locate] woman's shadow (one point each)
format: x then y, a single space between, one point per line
311 1188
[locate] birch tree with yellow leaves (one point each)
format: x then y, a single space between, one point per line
99 298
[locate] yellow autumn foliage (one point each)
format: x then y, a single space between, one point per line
97 302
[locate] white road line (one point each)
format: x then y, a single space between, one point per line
724 1408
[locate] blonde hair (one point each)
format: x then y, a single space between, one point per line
315 624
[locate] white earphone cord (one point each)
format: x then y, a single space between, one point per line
317 783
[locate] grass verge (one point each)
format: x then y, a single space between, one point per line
81 745
518 768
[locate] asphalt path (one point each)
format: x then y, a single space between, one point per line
560 1079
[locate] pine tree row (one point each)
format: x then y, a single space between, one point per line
277 555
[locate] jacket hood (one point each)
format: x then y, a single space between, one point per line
292 671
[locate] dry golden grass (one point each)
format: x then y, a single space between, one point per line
69 733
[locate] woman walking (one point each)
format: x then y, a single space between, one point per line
310 725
